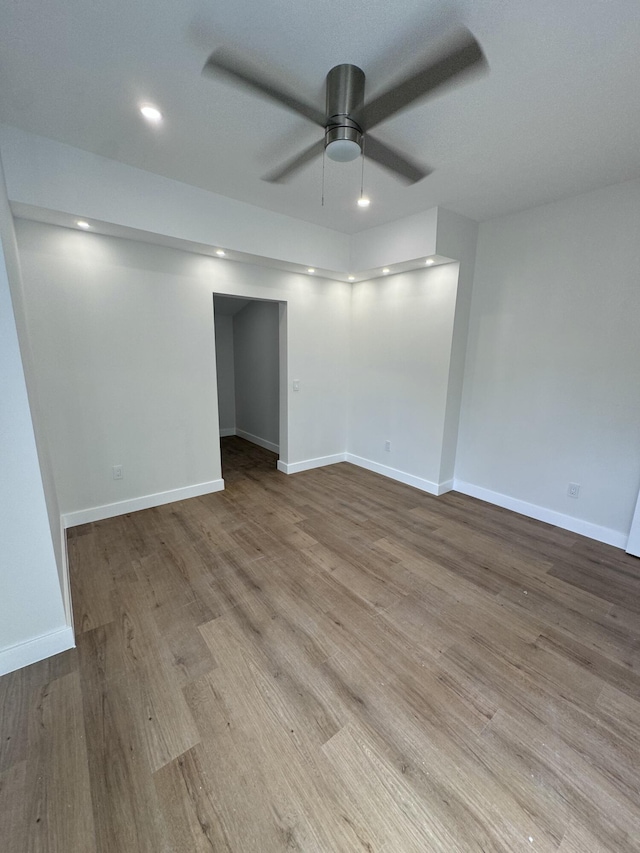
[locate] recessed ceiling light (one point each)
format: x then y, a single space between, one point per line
151 113
352 278
81 223
221 253
430 262
363 201
311 270
386 271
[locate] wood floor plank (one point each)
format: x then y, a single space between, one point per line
93 587
133 656
18 694
577 839
189 654
491 546
543 707
615 581
579 615
426 630
245 721
59 811
14 827
609 816
251 810
177 612
127 813
588 660
625 618
192 810
275 647
621 712
331 662
395 814
289 589
433 754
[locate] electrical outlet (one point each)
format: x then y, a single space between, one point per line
117 472
387 445
574 490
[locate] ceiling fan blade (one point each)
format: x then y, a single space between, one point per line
406 169
283 172
224 62
462 55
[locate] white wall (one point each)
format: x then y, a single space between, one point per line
12 260
257 385
32 617
402 240
313 421
123 345
457 238
552 382
123 342
401 338
225 373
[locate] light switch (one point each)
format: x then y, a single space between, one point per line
296 384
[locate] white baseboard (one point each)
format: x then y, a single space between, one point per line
308 464
541 513
445 486
97 513
401 476
255 439
227 431
39 648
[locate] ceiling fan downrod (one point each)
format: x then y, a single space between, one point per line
345 94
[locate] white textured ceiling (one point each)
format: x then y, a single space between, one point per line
559 112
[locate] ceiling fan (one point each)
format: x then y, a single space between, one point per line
347 119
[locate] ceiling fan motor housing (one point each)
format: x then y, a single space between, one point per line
345 94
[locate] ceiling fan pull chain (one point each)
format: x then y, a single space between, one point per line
362 174
322 202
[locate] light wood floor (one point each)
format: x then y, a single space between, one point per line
331 661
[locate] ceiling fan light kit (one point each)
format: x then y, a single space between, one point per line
341 149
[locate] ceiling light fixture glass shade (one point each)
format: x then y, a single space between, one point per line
343 150
363 201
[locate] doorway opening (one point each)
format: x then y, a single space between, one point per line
251 337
